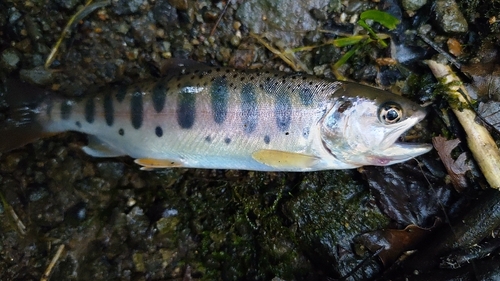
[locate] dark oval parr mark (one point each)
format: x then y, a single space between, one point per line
219 95
159 96
109 112
249 108
186 111
136 109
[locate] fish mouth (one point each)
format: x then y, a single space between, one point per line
397 152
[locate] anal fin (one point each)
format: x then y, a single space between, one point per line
150 164
98 148
284 160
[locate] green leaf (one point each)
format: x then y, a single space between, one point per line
347 41
383 18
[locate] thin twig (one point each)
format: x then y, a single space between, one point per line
48 270
220 18
85 11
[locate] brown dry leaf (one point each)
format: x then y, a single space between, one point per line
456 168
490 113
393 242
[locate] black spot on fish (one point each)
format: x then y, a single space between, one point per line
306 96
90 110
217 69
121 132
249 108
305 132
208 139
136 109
66 107
267 139
227 140
186 111
109 112
219 95
121 93
159 131
159 96
209 71
235 75
78 124
287 133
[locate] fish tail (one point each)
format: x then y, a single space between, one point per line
19 122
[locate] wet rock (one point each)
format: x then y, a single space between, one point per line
448 16
165 14
38 75
413 5
179 4
125 7
281 18
38 194
143 31
14 15
9 59
68 4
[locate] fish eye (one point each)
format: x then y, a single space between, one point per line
390 113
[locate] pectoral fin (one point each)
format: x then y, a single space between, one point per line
284 160
98 148
150 164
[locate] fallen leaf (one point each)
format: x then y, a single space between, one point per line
456 168
392 242
407 194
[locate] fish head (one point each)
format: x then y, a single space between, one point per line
364 123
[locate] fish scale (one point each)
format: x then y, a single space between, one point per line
203 117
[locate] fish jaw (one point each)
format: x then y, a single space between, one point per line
397 153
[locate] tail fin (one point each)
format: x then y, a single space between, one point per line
18 119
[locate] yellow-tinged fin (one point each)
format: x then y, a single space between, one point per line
150 164
283 159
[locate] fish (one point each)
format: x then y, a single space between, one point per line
197 116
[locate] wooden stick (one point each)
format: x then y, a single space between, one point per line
479 140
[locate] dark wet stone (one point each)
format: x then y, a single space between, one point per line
9 59
38 75
165 14
68 4
413 5
280 17
448 16
38 193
